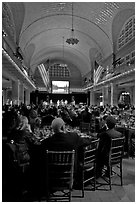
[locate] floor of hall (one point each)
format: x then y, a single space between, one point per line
125 193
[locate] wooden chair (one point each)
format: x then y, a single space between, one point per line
85 127
59 176
114 166
89 165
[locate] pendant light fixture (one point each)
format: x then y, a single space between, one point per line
72 40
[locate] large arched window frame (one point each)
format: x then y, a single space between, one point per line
127 32
59 70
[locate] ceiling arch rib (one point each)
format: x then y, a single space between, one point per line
51 45
52 37
94 32
68 15
81 32
69 57
59 50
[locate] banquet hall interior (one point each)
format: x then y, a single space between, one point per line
68 60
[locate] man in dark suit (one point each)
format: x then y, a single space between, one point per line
105 143
62 140
86 115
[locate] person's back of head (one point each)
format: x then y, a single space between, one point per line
111 122
57 125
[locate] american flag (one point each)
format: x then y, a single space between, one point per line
44 74
97 72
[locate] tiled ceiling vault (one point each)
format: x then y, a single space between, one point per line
38 29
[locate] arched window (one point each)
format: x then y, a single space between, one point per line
127 32
59 70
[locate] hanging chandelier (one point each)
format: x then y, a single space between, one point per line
72 40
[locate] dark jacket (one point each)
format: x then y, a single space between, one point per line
86 116
105 145
63 141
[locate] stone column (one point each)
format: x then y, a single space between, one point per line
4 94
15 92
131 90
21 93
27 97
105 94
114 94
92 97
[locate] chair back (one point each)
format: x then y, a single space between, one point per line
60 169
90 152
117 150
115 160
89 165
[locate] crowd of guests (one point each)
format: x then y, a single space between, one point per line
71 114
18 126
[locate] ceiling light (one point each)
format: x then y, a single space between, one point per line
72 40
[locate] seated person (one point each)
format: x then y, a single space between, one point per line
17 158
102 124
63 141
105 143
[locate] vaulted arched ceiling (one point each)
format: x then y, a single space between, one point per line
38 29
